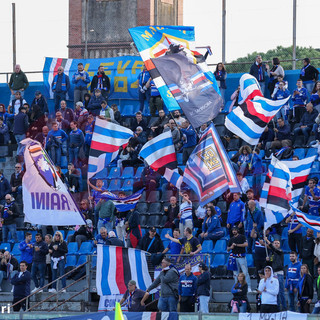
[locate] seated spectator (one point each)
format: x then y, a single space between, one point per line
211 227
157 126
172 212
171 125
37 121
67 113
94 105
139 121
76 141
86 100
4 133
266 139
16 179
133 148
5 188
240 302
26 248
55 139
9 213
299 99
236 213
106 113
40 101
306 123
20 127
42 136
174 247
244 184
308 74
83 234
132 298
102 237
315 96
141 135
155 102
113 240
178 119
81 115
276 87
312 194
244 160
149 180
73 178
116 113
16 103
282 93
8 266
190 140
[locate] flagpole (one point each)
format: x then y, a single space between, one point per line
254 149
265 242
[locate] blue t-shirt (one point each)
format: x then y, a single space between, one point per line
175 248
100 240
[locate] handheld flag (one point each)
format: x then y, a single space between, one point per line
308 220
106 141
249 88
209 171
118 312
46 199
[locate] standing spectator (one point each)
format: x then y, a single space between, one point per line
101 81
81 115
60 87
132 298
20 127
294 233
276 259
63 124
282 93
174 247
185 213
305 289
88 134
177 118
40 101
292 280
116 113
221 76
48 240
190 137
316 309
16 103
171 125
76 141
9 213
236 213
269 289
203 290
120 219
54 142
58 249
155 102
282 137
273 73
258 70
239 291
18 82
312 194
113 240
106 214
80 79
238 244
299 99
94 105
8 266
42 136
187 290
40 250
4 188
67 113
138 121
16 179
72 177
133 228
172 213
169 281
21 282
308 74
102 237
158 125
144 90
106 113
26 248
307 249
4 133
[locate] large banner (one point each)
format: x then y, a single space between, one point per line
122 71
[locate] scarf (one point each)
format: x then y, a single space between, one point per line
303 70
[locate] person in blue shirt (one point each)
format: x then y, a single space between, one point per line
76 141
174 247
88 132
80 79
95 197
236 213
144 90
293 275
26 249
221 76
94 105
102 237
256 170
299 99
211 227
54 141
187 290
155 102
315 96
282 93
312 194
60 87
190 137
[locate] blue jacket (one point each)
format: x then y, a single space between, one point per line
26 252
204 284
221 76
236 212
61 83
5 187
20 124
281 94
81 83
143 78
258 219
315 99
301 98
308 119
59 136
283 132
94 105
254 70
191 137
76 138
211 224
4 131
188 285
40 256
293 275
88 133
21 284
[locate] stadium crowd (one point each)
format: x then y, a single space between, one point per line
286 256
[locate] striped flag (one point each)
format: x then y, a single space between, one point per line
172 176
299 171
117 265
159 152
308 220
106 141
249 88
249 120
209 171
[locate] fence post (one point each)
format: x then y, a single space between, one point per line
88 280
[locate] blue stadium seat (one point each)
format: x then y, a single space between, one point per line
33 232
250 262
207 246
300 152
304 231
20 235
115 185
250 180
220 246
86 248
138 172
64 162
166 243
72 248
93 262
70 233
286 259
194 232
15 250
127 110
164 231
71 261
127 185
312 152
146 110
127 173
102 174
219 119
218 260
82 259
315 167
115 173
226 107
143 231
6 246
232 153
261 154
179 158
285 246
284 235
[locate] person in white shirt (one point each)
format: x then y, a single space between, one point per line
269 289
185 213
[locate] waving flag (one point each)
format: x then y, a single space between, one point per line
249 88
46 199
106 141
188 83
249 120
308 220
159 152
299 171
172 176
209 171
